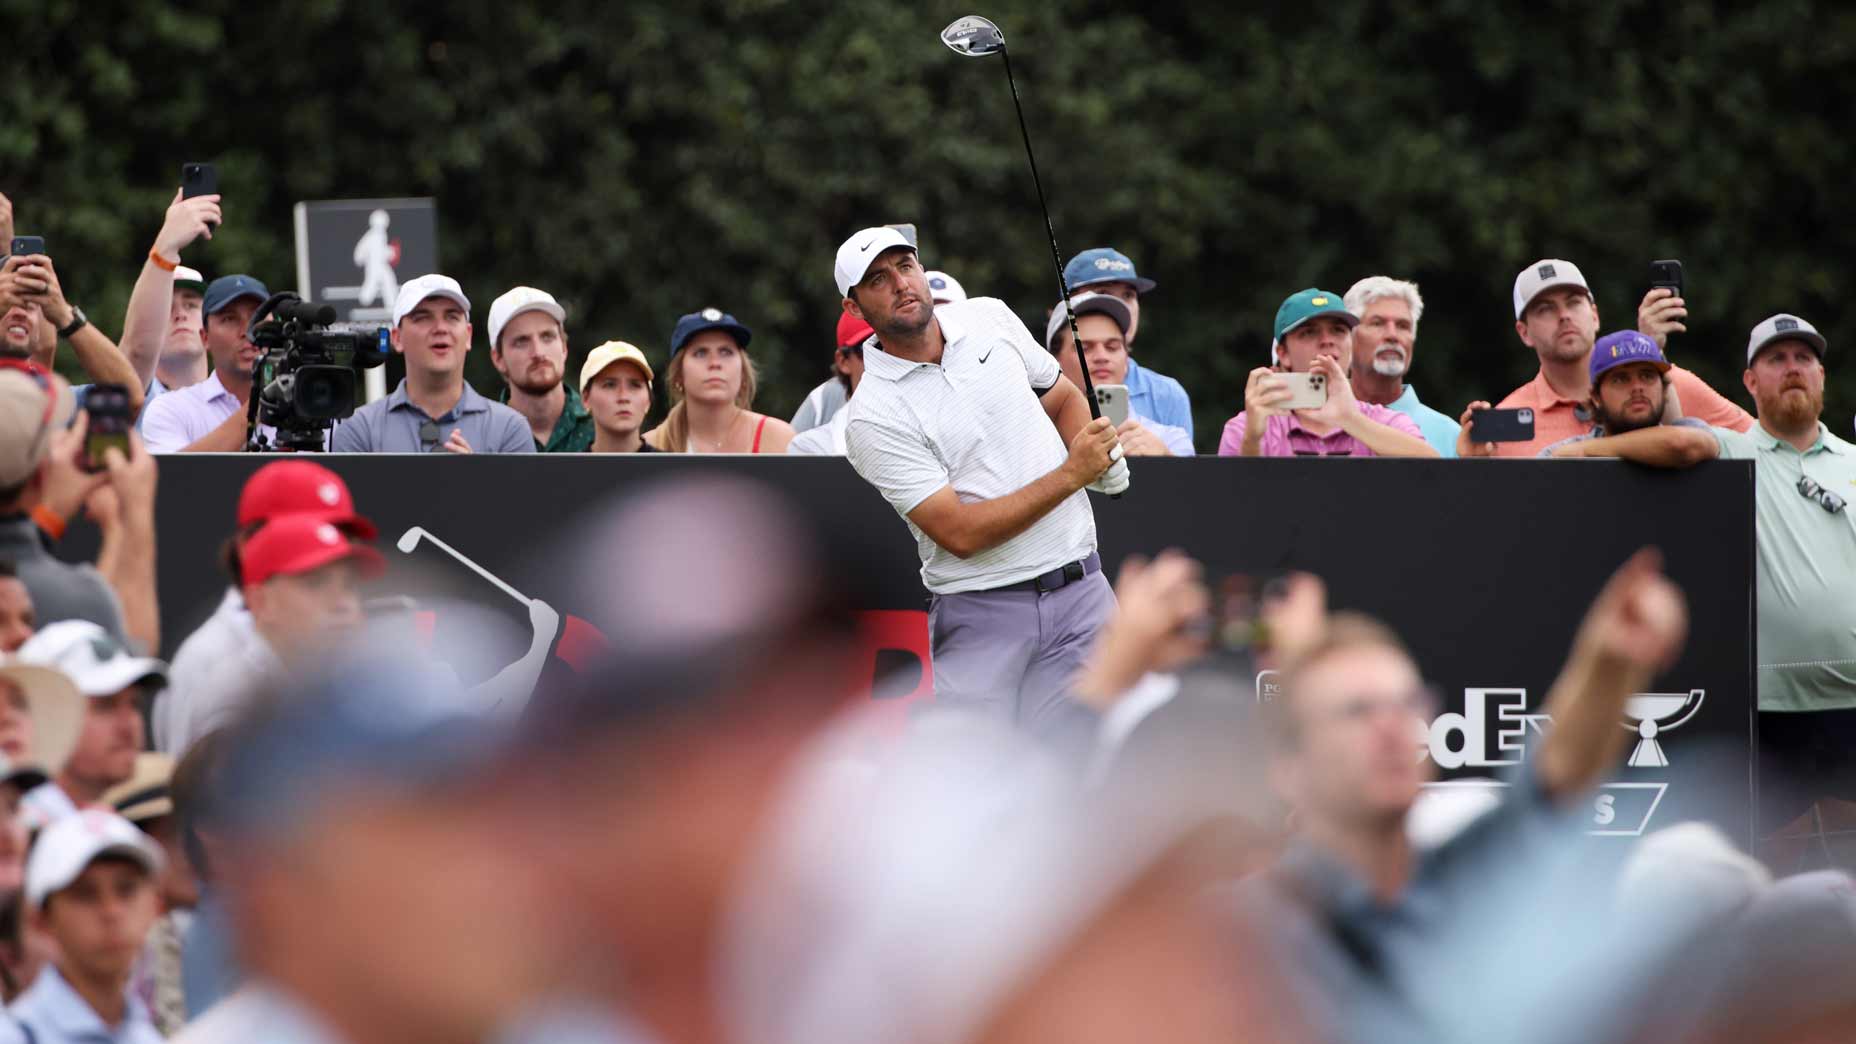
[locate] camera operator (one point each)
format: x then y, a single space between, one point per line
210 417
29 291
434 408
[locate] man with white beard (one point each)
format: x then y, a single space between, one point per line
1389 310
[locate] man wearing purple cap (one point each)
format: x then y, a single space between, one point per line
1631 390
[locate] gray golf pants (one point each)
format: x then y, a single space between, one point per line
1013 654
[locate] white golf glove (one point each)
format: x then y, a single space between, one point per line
1115 479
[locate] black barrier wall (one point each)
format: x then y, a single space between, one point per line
1485 567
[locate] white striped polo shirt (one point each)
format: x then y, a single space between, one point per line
973 422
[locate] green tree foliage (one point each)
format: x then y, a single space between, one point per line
642 160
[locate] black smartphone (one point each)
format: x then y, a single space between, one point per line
198 179
23 245
108 407
1516 425
1666 274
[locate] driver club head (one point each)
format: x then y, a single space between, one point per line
973 36
410 539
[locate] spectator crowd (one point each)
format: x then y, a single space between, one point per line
308 828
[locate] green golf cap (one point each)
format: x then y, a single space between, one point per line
1300 307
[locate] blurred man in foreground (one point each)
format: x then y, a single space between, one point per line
370 896
1365 914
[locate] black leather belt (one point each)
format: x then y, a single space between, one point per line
1058 578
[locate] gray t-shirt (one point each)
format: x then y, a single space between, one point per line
391 425
60 590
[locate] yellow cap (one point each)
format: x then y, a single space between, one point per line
607 354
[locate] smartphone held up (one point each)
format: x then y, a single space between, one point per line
110 421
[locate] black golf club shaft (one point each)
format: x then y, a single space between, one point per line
1056 256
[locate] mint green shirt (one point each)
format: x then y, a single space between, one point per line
1807 570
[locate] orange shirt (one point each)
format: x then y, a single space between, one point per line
1556 417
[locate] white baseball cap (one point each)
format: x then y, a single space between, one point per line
189 279
434 285
855 256
67 847
1784 327
56 710
88 655
515 302
945 288
1544 275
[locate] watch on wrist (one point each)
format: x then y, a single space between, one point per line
78 321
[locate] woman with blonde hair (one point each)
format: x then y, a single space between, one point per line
712 384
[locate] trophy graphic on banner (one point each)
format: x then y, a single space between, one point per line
1656 713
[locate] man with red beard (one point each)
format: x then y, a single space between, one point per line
1804 478
528 346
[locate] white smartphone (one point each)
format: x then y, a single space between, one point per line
1113 399
1307 391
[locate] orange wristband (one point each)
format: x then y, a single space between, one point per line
161 262
49 521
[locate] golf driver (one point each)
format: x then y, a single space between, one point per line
977 37
411 538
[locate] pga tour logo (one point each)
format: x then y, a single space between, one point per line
1495 730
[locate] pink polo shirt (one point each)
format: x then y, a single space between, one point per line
1284 436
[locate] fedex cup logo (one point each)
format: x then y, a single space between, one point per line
1489 733
1654 713
1492 730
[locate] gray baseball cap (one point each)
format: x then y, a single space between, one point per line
1086 304
1784 327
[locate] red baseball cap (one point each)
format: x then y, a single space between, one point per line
852 331
293 544
299 487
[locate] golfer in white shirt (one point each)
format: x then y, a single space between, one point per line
961 422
